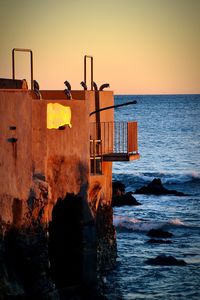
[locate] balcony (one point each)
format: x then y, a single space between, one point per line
114 141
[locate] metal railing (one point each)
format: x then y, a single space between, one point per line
96 156
116 137
31 62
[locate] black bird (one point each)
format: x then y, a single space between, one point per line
103 86
36 88
95 86
36 85
68 85
83 84
68 94
68 90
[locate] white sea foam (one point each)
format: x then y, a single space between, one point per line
126 223
166 177
177 222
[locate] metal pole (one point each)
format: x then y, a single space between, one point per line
113 106
31 62
85 69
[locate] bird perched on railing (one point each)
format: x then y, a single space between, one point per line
68 85
103 86
68 90
95 86
36 89
83 84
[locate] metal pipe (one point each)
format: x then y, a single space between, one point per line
113 106
31 62
85 69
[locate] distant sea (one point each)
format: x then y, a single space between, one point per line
169 145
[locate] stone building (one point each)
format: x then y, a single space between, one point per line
56 154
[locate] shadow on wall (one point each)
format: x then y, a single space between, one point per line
65 175
65 241
71 234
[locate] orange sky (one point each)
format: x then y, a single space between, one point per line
139 46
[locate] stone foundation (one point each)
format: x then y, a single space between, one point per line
106 239
56 259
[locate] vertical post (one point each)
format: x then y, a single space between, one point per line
85 69
132 137
31 62
94 151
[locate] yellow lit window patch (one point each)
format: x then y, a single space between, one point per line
58 115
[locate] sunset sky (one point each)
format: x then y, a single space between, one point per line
139 46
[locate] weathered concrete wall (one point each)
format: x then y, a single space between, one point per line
61 156
39 138
106 98
15 149
68 152
41 166
104 180
103 99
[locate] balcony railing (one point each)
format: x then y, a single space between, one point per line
118 140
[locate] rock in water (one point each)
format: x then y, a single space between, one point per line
120 197
155 187
159 233
118 188
164 260
126 199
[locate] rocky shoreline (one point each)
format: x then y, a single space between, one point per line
57 260
155 187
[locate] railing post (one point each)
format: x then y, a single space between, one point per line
132 144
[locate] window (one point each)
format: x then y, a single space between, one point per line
58 115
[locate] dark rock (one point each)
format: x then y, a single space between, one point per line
155 187
118 188
120 197
27 264
106 239
159 233
164 260
126 199
154 241
24 259
65 241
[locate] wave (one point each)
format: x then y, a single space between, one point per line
166 177
141 225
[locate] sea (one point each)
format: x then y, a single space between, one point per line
169 147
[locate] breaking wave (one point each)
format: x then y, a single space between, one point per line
141 225
166 178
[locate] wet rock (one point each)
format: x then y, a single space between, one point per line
159 233
158 241
106 238
24 257
105 231
28 263
126 199
118 188
155 187
164 260
120 197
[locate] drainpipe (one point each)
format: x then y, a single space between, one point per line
96 93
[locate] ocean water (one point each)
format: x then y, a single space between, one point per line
169 145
